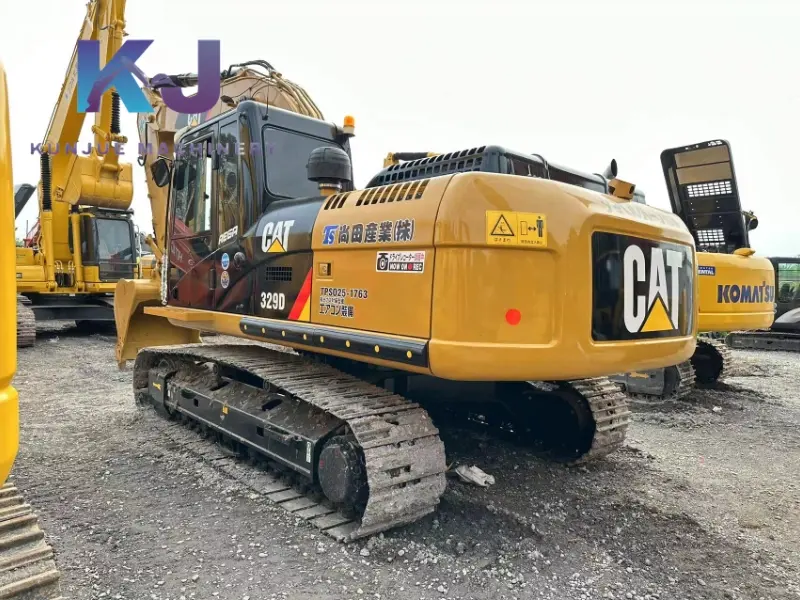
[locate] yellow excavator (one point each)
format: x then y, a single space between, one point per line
736 288
83 241
490 282
27 565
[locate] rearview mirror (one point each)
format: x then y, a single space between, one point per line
161 171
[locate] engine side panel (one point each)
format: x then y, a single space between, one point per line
374 259
736 292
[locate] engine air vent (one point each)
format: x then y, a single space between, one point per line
432 166
336 201
278 273
411 190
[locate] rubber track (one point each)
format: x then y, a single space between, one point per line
611 414
404 457
27 565
26 324
764 339
685 386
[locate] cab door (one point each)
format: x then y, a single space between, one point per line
191 251
233 207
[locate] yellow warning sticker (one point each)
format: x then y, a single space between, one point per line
276 246
509 228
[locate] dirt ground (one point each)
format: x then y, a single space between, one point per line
704 502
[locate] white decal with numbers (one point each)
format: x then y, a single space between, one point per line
273 301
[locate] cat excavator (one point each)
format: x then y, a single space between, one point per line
83 241
27 565
736 288
488 281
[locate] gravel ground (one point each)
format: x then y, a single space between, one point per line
702 503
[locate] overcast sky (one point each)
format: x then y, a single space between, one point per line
579 82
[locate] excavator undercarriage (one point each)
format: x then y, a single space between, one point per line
365 459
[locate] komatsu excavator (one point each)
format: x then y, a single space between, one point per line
83 241
27 565
736 288
477 278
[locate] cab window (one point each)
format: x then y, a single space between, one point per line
193 189
228 152
788 282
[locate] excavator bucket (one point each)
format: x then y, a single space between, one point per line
137 330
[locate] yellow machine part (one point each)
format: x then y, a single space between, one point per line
491 307
9 402
737 291
137 329
146 266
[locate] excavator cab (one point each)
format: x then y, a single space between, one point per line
108 245
214 199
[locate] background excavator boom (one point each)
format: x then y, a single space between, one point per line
83 240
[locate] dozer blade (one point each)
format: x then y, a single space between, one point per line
27 565
135 329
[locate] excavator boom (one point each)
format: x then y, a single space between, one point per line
83 241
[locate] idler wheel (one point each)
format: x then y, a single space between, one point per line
342 473
707 363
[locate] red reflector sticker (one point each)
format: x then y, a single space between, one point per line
513 316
